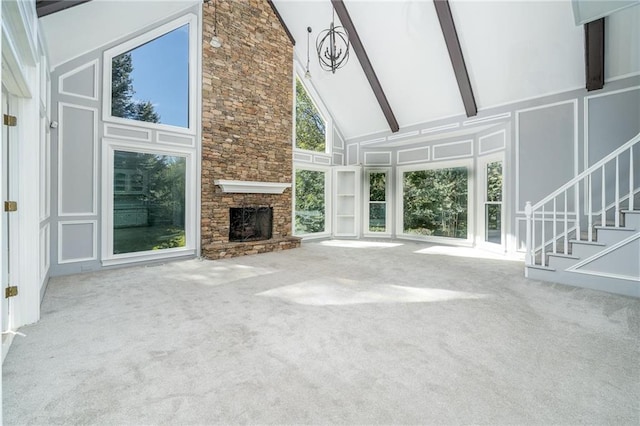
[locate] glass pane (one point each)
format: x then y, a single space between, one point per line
310 202
377 217
435 202
377 186
310 126
493 231
494 181
151 82
148 202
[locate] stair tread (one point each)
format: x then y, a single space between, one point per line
565 256
591 243
615 228
541 267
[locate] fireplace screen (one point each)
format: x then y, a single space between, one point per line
250 223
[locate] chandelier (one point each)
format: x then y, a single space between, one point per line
333 47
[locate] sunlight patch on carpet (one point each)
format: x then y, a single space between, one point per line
358 244
464 252
341 291
224 274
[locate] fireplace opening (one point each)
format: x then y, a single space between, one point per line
250 223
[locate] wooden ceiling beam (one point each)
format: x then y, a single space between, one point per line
443 10
594 54
356 45
47 7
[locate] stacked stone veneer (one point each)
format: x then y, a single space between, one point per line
247 119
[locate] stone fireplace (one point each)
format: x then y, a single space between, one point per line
247 123
251 223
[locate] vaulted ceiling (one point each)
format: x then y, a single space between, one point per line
513 50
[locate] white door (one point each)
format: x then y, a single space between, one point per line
491 209
5 234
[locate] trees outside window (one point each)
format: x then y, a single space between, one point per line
310 126
310 201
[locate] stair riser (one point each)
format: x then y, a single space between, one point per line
613 236
561 263
585 250
632 220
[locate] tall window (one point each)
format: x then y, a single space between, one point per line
148 202
493 203
377 201
435 202
310 126
152 77
310 201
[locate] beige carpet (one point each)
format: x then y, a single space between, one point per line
333 332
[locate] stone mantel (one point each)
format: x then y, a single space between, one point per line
251 187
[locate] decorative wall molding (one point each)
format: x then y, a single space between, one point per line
482 151
45 259
373 141
440 128
468 153
412 155
61 240
301 156
383 158
118 131
175 139
403 135
338 159
75 71
353 154
474 121
61 167
322 159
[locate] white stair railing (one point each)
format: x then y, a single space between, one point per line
562 207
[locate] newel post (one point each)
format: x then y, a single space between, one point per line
529 253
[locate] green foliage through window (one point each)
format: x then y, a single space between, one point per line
123 104
310 126
435 202
310 202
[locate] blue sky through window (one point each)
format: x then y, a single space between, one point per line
161 75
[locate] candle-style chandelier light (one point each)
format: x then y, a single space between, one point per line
332 45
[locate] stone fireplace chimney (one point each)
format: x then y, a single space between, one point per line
247 122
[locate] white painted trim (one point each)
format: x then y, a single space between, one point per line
481 181
94 254
440 128
96 82
372 141
357 159
328 210
586 118
504 142
251 187
466 141
366 202
353 194
600 254
573 101
387 163
108 55
45 250
108 126
61 124
403 135
318 159
341 162
485 119
302 156
338 139
468 163
109 146
423 148
190 140
622 77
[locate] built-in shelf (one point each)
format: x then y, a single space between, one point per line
251 187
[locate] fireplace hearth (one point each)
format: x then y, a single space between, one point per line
250 223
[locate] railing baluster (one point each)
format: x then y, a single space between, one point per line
566 224
603 215
544 240
631 194
589 211
529 258
617 200
533 237
576 194
554 238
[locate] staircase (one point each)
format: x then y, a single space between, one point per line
587 232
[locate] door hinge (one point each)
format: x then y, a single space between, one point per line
10 206
10 291
10 120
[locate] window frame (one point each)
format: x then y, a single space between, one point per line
469 164
483 162
108 55
107 257
322 110
327 203
367 201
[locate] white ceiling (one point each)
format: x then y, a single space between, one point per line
514 50
88 26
